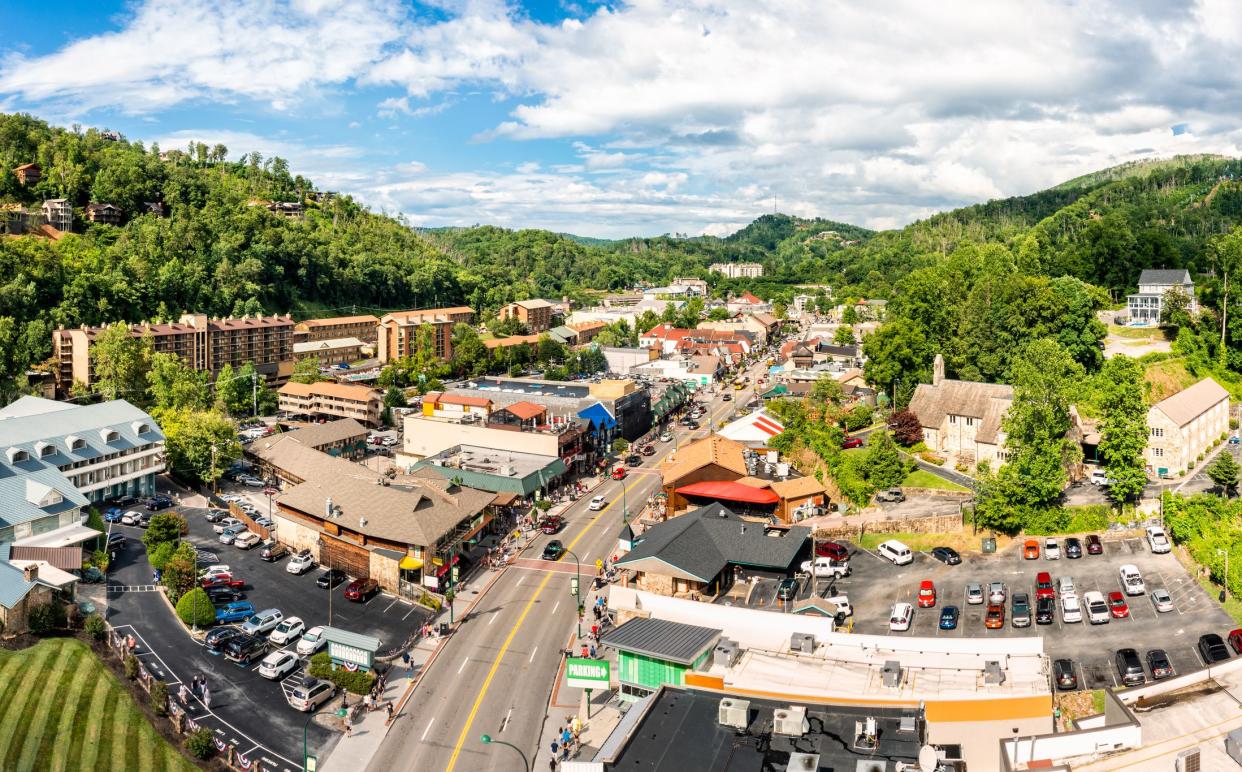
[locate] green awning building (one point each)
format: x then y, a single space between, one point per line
655 652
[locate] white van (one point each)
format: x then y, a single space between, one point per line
1065 585
895 551
842 603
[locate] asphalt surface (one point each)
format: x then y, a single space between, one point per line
497 673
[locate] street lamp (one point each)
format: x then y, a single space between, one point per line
577 589
341 712
1224 584
487 740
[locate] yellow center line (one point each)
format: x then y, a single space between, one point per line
491 673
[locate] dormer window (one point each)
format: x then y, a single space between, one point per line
109 435
75 442
17 455
140 427
45 449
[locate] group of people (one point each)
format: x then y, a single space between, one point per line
198 688
567 742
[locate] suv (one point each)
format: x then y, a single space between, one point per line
361 590
218 638
891 496
262 621
234 612
1129 668
246 539
1020 610
1043 586
832 549
1212 649
273 551
245 649
300 563
310 694
551 524
1045 610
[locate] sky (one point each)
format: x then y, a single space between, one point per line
646 117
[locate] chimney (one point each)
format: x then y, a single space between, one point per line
937 370
30 572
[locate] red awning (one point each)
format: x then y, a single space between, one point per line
730 491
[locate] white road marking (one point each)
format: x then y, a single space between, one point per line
532 654
428 729
493 619
554 608
390 605
463 665
505 723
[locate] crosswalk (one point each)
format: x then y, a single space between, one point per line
120 588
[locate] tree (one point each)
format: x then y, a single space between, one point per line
121 362
394 397
165 527
195 608
1175 309
1123 428
201 445
306 370
850 315
898 351
906 427
159 554
882 466
1223 471
174 385
717 314
844 336
181 571
827 390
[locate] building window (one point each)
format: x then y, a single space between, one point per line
1157 431
1157 452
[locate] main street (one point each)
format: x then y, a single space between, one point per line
497 672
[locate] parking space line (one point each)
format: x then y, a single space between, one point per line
411 611
390 605
532 654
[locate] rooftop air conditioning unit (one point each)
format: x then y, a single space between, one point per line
735 713
726 653
790 721
891 673
1187 761
803 762
992 673
511 471
803 642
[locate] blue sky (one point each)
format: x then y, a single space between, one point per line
648 117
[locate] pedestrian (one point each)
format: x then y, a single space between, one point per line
390 710
349 726
566 735
576 726
552 764
584 650
206 698
592 651
555 747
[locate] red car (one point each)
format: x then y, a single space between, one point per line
927 594
1235 640
851 442
832 549
1043 586
618 473
1094 547
223 581
1117 605
361 589
551 524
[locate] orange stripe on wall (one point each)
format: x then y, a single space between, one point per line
989 710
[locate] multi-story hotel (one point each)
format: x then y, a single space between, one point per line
738 270
398 331
331 400
536 314
364 327
205 344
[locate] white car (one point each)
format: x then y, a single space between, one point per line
312 641
1052 550
214 568
132 517
215 572
1132 580
1097 608
996 592
286 631
225 524
899 621
666 437
1158 540
1100 477
246 539
1071 611
1161 599
974 593
390 442
300 563
597 504
278 664
842 602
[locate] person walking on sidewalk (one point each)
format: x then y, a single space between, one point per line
349 726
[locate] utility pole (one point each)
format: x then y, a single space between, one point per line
254 393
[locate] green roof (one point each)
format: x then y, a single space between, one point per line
345 637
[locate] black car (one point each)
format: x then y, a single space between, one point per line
124 502
218 638
116 541
144 520
946 555
156 503
1212 649
727 398
1045 609
1159 665
245 649
692 425
1073 548
1129 668
553 550
215 515
1063 672
222 594
330 578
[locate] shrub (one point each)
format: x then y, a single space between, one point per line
159 698
164 527
195 608
160 555
131 666
46 618
95 627
201 744
357 682
1233 423
99 559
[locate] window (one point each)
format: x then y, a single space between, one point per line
47 450
1157 431
17 455
76 443
1157 452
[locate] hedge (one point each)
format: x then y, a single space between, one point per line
357 682
195 608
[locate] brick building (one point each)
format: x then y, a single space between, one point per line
363 327
536 314
398 331
332 400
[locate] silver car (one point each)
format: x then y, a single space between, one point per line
996 592
974 593
1161 599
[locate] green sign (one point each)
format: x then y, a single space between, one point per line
586 673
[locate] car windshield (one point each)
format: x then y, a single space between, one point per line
311 637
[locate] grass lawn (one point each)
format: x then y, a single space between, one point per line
1167 377
1137 333
963 541
921 478
60 708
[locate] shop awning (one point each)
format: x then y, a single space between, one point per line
505 498
729 491
410 563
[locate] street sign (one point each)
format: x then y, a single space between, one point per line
311 763
456 574
573 586
586 673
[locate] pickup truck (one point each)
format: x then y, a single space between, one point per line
826 567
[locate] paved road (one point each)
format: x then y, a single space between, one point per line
496 675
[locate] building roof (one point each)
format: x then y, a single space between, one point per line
511 340
700 544
748 297
985 401
318 435
1164 276
767 320
64 558
310 346
797 487
442 398
1190 403
533 304
663 639
704 364
758 426
730 491
498 471
853 351
426 315
351 391
525 410
588 326
310 324
13 584
715 449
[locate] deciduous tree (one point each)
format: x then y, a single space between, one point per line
1123 428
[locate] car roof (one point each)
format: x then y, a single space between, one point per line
1043 576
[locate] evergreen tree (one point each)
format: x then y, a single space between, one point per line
121 362
882 466
1224 472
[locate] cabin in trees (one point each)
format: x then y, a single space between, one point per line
1145 306
104 214
28 174
59 214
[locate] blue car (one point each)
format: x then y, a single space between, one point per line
237 611
948 618
113 515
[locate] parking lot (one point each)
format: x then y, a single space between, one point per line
875 585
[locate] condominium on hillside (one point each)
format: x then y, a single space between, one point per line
331 400
738 270
204 343
398 331
363 327
536 314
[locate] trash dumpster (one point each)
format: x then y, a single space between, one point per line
989 545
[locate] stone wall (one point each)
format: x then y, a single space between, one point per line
928 524
385 570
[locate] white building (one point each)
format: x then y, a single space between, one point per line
1184 426
1145 306
738 270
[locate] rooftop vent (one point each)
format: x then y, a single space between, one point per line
992 673
734 713
803 762
803 642
790 721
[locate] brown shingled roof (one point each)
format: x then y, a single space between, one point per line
987 402
715 449
364 318
526 410
352 391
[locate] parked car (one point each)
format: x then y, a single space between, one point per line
551 524
1043 586
246 539
974 594
330 578
618 473
895 551
787 589
1161 599
597 503
310 694
1129 668
228 582
223 525
1066 678
312 641
633 460
1159 665
1052 551
647 450
948 618
996 592
927 594
1158 540
994 617
1030 550
946 555
220 595
891 496
825 567
218 638
1097 607
832 549
1132 580
273 551
1073 548
1020 610
1213 649
252 482
851 442
666 437
361 590
124 502
300 563
278 664
131 517
234 612
553 550
211 572
245 649
286 631
158 502
1071 610
901 617
1094 545
215 515
1117 605
262 621
1100 477
113 515
1045 610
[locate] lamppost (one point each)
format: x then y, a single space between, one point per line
307 765
1224 584
487 740
576 589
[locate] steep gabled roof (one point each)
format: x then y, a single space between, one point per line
715 449
1190 403
987 402
1164 276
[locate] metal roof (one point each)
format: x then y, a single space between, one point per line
346 638
663 639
